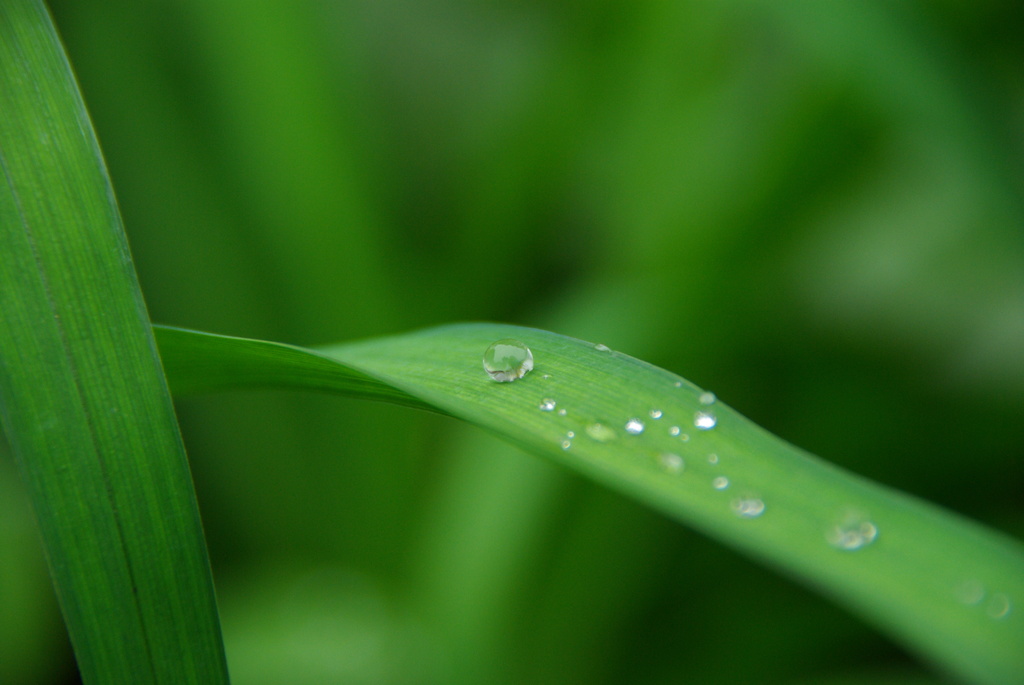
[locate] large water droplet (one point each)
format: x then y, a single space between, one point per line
672 463
507 360
707 398
655 413
854 531
634 426
600 432
547 404
720 483
748 507
705 420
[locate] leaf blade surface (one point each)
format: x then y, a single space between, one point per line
914 570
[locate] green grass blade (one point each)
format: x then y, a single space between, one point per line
196 363
943 586
83 401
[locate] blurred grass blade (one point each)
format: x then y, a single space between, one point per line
83 401
945 587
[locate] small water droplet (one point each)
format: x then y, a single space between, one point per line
655 413
507 360
570 434
602 348
684 437
854 531
748 507
673 431
547 404
562 412
704 420
679 384
720 483
707 398
712 458
566 444
600 432
672 463
634 426
998 606
970 592
546 376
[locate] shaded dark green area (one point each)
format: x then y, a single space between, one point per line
813 209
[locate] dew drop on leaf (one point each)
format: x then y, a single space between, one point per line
672 463
854 531
705 420
998 606
600 432
973 593
507 360
547 404
634 426
748 507
970 592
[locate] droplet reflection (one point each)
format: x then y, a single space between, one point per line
507 360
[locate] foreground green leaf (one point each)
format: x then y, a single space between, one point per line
83 402
941 585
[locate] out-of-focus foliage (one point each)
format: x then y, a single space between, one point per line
816 209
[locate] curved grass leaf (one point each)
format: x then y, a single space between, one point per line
197 363
83 401
941 585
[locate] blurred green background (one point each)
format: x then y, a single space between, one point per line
815 209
